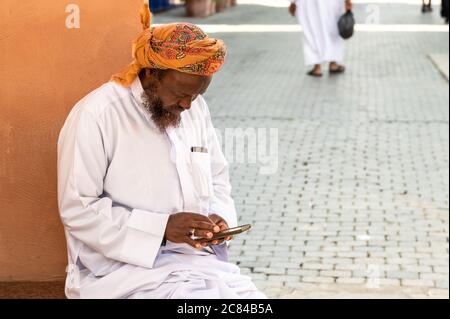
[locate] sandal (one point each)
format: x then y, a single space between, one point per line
312 73
338 70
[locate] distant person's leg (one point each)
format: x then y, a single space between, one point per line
336 68
426 6
309 16
445 10
334 54
316 71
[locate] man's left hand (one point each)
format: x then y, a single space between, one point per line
219 221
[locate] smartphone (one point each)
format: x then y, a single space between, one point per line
229 232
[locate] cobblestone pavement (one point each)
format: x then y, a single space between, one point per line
359 204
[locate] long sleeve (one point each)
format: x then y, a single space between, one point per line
222 203
124 234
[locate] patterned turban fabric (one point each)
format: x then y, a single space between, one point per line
183 47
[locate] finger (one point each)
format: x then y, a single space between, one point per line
223 226
229 238
203 233
192 242
205 243
211 241
205 226
216 219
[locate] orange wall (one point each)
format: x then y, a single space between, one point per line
45 69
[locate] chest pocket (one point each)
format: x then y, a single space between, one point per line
201 174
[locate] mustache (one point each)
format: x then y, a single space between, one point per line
175 109
162 116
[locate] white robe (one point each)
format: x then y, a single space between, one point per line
319 21
119 179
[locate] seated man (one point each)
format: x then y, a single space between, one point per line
140 170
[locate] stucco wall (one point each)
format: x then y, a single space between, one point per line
45 68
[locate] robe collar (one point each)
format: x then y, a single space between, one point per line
137 91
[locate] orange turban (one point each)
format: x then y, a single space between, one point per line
179 46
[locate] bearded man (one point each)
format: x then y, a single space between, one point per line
140 170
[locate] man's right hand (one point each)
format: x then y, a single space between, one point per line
179 229
292 9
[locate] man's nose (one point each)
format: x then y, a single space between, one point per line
186 103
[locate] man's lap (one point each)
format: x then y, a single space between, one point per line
173 275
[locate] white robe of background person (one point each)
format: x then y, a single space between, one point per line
319 20
119 179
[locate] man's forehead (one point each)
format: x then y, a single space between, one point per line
181 77
186 82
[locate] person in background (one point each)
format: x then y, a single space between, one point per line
426 6
445 10
322 42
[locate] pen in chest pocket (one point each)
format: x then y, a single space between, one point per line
199 149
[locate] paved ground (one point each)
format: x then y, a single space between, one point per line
359 204
441 61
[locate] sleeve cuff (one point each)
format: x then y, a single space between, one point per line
152 223
145 232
